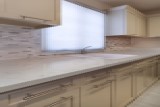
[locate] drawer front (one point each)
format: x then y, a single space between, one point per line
95 76
66 99
39 91
122 71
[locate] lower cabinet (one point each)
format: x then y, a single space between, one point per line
97 94
151 72
158 68
123 85
139 79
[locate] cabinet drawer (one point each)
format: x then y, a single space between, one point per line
121 71
68 98
39 91
95 76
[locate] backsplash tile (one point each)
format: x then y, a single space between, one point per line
19 42
117 43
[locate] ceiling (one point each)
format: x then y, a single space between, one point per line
142 5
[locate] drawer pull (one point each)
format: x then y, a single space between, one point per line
125 76
63 99
103 84
27 17
33 96
94 79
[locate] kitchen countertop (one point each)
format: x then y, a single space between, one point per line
20 73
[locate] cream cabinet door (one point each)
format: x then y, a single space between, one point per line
140 25
3 100
139 80
130 23
151 74
2 4
123 90
97 94
158 68
33 10
143 26
153 26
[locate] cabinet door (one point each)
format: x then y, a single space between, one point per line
2 5
139 80
66 99
96 95
138 25
3 100
123 90
143 26
130 23
33 10
151 73
153 26
158 68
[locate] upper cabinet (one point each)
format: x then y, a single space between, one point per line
125 20
34 12
1 6
153 22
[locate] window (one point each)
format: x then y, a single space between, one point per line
80 27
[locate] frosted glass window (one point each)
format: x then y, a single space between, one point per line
80 27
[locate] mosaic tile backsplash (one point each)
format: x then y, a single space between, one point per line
117 43
19 42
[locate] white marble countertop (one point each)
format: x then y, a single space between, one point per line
20 73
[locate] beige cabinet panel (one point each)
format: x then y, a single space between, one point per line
158 70
97 94
3 100
33 10
143 26
131 23
125 20
151 73
153 26
123 90
139 80
2 2
140 25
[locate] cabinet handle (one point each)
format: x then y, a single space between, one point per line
103 84
96 78
33 96
27 17
63 99
125 76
